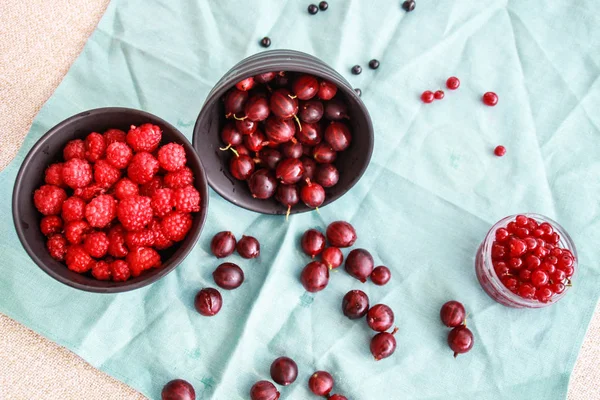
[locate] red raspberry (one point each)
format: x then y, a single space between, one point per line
73 209
105 174
51 224
134 213
119 270
96 244
57 247
176 225
74 149
144 138
118 155
148 189
114 135
95 146
78 260
101 211
187 199
179 179
48 199
160 240
54 175
163 202
141 259
76 230
89 192
116 241
101 270
145 237
125 188
172 157
142 168
77 173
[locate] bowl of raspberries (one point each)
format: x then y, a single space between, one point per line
110 200
282 132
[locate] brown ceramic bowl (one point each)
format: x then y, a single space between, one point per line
49 150
351 163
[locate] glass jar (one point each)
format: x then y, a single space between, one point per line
491 283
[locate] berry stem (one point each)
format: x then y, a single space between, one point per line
299 124
287 214
235 152
225 148
239 119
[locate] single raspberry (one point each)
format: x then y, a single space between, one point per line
73 209
176 225
144 138
179 179
77 173
114 135
148 189
57 247
95 146
105 174
160 240
119 271
126 188
48 199
145 237
116 242
101 210
74 149
76 230
187 199
96 244
118 155
51 224
53 175
142 168
172 157
101 270
134 213
78 260
89 192
141 259
163 202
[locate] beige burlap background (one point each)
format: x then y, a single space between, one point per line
38 42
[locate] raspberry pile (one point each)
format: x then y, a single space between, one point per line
285 131
529 261
115 201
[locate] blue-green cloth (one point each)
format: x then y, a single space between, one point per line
430 194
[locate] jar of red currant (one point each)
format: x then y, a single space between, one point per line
526 261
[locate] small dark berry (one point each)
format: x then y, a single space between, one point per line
357 69
358 92
409 5
373 64
313 9
323 5
265 42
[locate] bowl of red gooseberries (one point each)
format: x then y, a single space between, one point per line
282 132
110 200
526 261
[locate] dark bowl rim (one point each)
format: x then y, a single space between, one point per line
255 68
125 286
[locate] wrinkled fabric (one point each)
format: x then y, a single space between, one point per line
430 194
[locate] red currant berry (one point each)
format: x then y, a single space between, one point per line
554 238
556 252
501 268
517 247
540 251
525 275
558 276
452 83
539 278
565 260
498 252
521 220
531 243
568 252
526 291
511 227
490 99
500 151
531 224
569 271
532 261
537 232
515 262
547 228
547 267
522 233
551 259
510 282
439 94
557 288
427 96
543 294
501 235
